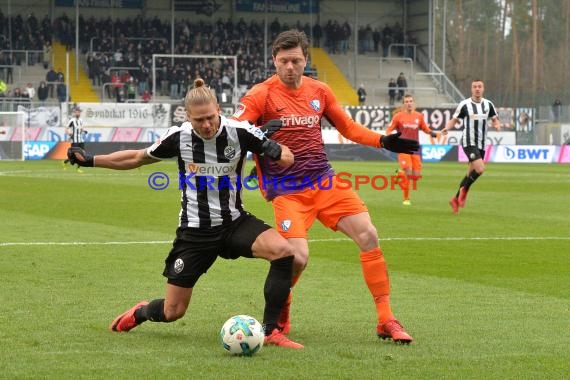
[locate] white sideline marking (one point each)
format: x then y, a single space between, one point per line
505 238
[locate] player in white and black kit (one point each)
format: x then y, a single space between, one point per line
475 113
75 132
210 151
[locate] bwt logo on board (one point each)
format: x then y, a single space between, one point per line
526 153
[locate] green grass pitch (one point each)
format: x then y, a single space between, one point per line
485 294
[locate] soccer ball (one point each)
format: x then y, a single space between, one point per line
242 335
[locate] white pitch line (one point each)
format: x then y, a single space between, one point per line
505 238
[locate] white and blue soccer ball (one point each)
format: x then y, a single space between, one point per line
242 335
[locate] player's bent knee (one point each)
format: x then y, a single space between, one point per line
367 239
174 313
282 249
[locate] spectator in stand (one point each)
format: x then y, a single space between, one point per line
392 89
46 54
3 88
361 92
344 36
556 110
146 96
9 70
51 79
120 94
317 34
402 85
61 91
2 57
131 90
275 27
20 99
42 93
29 92
387 39
376 38
143 78
115 85
60 76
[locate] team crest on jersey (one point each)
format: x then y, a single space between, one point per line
315 104
257 132
239 110
178 265
285 225
229 152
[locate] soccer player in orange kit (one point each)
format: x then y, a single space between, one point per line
409 122
312 189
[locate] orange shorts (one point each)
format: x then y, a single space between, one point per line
410 161
296 213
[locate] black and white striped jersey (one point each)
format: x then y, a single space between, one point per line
75 125
475 121
210 171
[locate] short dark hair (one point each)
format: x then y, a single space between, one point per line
290 39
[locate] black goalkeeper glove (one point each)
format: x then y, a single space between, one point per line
395 144
271 149
271 127
79 156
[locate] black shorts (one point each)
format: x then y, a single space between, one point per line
473 153
195 249
78 145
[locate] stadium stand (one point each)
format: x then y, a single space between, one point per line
111 66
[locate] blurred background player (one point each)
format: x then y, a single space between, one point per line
301 102
408 122
76 133
212 221
475 113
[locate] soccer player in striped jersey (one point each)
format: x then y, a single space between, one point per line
301 103
475 113
409 122
76 133
210 151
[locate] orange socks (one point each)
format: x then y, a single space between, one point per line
406 186
376 277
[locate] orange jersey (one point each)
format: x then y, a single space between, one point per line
301 112
409 124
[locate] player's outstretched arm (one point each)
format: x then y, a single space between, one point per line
120 160
271 127
396 144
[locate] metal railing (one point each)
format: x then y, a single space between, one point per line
4 70
123 68
439 78
26 54
126 38
406 47
11 104
380 94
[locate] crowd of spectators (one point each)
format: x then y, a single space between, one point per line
121 64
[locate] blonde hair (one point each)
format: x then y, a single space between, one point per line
199 94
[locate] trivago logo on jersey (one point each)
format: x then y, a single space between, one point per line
302 120
412 126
